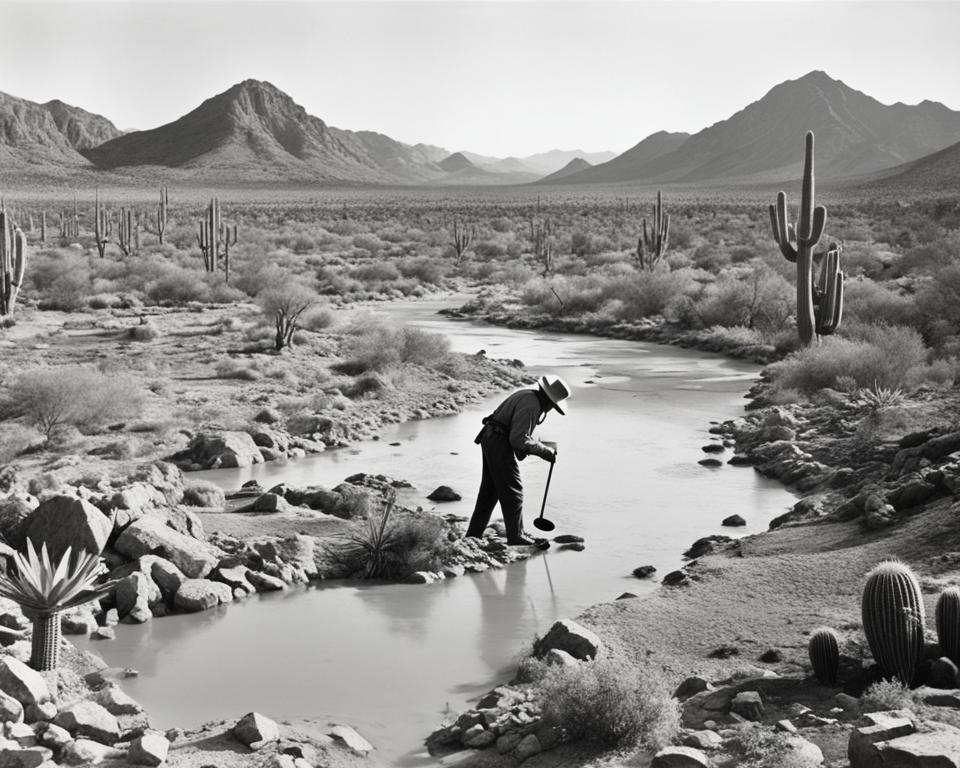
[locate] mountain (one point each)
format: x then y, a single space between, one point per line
457 162
856 134
254 131
576 165
34 134
556 159
628 166
938 172
436 154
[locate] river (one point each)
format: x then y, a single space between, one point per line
391 660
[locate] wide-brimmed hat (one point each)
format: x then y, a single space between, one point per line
555 389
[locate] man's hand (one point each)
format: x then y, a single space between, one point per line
552 456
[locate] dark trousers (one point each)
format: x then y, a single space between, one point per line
500 483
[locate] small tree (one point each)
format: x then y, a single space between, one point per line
285 303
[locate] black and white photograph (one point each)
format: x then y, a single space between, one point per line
480 383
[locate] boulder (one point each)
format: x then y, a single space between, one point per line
444 493
256 731
79 621
676 579
84 752
748 704
201 594
680 757
133 501
11 710
943 673
164 574
353 740
703 740
733 521
932 749
54 736
23 683
267 502
478 737
875 727
644 571
65 521
690 687
706 545
24 757
87 719
235 577
798 752
263 582
43 712
220 450
528 747
113 699
566 635
149 749
135 594
149 535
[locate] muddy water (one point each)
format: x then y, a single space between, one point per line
390 659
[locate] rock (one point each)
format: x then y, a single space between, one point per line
83 752
478 737
703 740
508 742
528 747
680 757
626 596
932 749
915 491
54 736
104 633
43 712
444 493
256 731
149 749
710 463
771 656
724 652
353 740
733 521
712 448
784 726
235 577
846 702
222 450
87 719
78 622
943 673
798 752
265 583
11 710
113 699
23 683
164 574
62 522
266 503
556 657
690 687
21 733
676 579
136 592
201 594
936 697
566 635
268 415
149 535
748 704
13 757
876 727
706 545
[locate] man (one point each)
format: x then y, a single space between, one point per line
507 436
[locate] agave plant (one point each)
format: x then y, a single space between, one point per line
44 590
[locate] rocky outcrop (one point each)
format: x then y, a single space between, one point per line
219 450
572 638
65 521
151 536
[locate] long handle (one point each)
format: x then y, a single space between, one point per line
546 490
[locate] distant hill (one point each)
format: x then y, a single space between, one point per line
254 131
856 134
34 134
457 162
939 172
628 166
576 165
555 159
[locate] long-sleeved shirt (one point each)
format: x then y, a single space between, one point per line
520 413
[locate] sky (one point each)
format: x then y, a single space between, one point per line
496 78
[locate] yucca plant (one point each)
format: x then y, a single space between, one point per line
44 590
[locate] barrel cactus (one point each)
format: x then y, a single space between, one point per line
824 650
947 615
893 619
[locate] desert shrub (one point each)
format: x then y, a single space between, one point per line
74 395
611 703
375 345
650 293
145 331
870 302
283 304
237 369
317 319
883 357
759 298
203 493
380 271
14 440
885 695
177 286
393 544
428 271
67 292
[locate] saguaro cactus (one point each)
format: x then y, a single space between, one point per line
162 212
462 237
128 231
102 226
893 617
13 258
824 651
652 245
819 304
947 614
213 236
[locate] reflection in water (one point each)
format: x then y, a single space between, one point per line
388 659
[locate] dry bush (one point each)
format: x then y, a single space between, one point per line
74 395
202 493
886 695
237 369
611 703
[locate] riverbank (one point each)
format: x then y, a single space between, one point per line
877 482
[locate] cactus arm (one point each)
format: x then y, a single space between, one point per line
782 231
819 222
